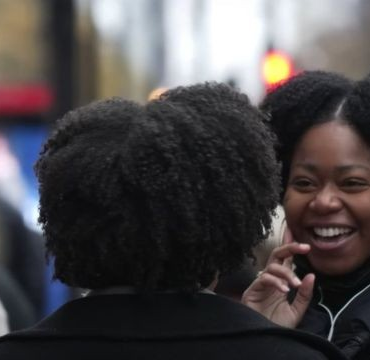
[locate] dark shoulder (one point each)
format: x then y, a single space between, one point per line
258 346
297 346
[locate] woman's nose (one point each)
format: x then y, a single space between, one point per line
326 200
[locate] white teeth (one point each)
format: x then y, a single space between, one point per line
331 231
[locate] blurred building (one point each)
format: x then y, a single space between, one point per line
145 44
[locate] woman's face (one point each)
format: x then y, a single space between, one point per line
327 201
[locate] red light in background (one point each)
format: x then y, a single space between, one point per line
276 67
25 99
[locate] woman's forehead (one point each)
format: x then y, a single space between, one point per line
334 143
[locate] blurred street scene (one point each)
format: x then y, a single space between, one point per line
59 54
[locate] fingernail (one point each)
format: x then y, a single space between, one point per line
304 246
285 288
296 281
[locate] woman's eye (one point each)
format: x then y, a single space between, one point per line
355 184
302 184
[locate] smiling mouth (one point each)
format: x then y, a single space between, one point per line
330 233
329 237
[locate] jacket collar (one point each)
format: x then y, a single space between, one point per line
155 316
159 317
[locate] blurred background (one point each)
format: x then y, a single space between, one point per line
59 54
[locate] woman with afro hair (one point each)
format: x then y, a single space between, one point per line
319 279
145 205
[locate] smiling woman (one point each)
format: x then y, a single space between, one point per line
327 197
322 121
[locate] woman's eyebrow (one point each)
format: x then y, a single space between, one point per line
340 168
346 168
306 166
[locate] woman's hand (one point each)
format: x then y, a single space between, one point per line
268 294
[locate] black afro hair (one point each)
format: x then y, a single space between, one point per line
307 99
157 196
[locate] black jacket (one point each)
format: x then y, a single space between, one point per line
340 309
348 327
161 326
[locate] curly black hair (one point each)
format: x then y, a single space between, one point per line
305 100
356 109
157 196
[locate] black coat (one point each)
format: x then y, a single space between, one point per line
161 326
24 258
350 325
18 307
